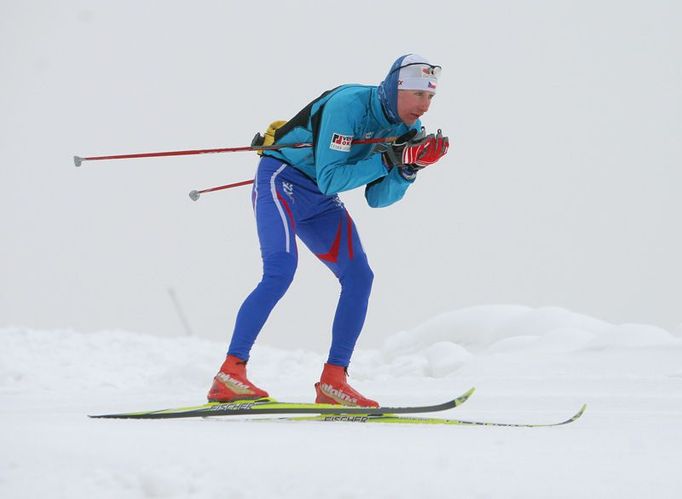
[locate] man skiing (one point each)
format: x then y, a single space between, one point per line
295 194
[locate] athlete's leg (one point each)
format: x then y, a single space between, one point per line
333 237
276 233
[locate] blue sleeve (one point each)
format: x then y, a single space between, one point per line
387 190
336 129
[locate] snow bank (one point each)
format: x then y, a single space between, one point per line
444 344
477 328
64 360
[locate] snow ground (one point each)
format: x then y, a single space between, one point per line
529 365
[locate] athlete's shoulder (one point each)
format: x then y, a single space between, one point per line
352 103
353 93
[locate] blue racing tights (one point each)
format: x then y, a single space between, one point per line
287 204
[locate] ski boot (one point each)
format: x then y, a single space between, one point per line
231 383
333 389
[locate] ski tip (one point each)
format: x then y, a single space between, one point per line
580 412
465 396
577 415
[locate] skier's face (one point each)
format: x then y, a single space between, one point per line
412 104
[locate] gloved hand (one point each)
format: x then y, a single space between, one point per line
392 152
411 152
428 151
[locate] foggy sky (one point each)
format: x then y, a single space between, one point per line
561 187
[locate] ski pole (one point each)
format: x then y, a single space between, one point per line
78 160
194 195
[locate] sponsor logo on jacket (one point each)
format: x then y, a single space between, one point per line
341 142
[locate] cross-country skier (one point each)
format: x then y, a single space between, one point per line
295 194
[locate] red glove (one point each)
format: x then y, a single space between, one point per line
427 151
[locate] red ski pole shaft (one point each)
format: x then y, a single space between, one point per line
194 195
78 160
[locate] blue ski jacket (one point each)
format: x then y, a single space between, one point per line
331 122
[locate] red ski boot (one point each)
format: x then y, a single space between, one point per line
333 389
231 384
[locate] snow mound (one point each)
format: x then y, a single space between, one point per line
482 339
442 345
476 328
633 336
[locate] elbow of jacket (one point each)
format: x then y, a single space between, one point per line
376 203
325 186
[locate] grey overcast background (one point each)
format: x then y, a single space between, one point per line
561 188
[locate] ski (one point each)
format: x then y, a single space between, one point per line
270 406
391 419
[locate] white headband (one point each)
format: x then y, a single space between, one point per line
416 73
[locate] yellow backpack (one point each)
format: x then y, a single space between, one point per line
269 138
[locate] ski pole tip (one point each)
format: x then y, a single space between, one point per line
77 160
194 195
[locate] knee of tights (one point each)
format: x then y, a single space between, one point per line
358 275
279 270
